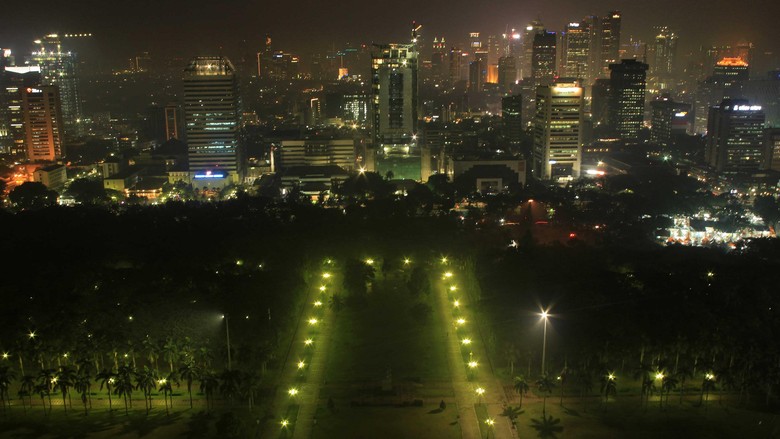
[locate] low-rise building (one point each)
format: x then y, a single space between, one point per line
53 177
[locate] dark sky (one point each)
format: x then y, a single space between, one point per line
167 27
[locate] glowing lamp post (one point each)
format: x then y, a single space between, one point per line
544 315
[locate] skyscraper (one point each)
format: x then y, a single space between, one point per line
735 136
507 73
394 108
13 80
527 41
544 55
42 123
558 131
670 119
663 60
59 68
610 40
511 118
627 85
576 51
212 112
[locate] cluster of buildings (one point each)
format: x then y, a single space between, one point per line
527 103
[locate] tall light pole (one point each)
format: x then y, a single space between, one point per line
227 334
544 344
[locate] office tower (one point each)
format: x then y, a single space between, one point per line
662 62
13 80
729 72
772 149
670 120
394 109
735 136
211 111
507 73
455 58
318 152
594 49
475 43
627 84
478 69
511 118
494 52
557 131
543 66
59 68
728 76
599 103
765 92
610 40
439 72
515 50
355 108
42 119
526 65
172 124
575 52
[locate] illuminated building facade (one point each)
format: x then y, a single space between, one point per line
772 149
669 120
212 112
627 89
13 80
42 121
59 67
735 137
662 63
544 55
316 152
610 40
557 130
512 119
507 73
527 41
575 52
394 108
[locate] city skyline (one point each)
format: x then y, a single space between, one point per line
178 28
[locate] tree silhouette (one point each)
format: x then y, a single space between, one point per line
521 387
545 386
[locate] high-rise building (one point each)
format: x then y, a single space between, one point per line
13 80
599 103
594 50
772 149
728 76
670 120
42 121
765 92
59 67
455 58
526 65
394 108
610 40
575 52
735 137
662 64
558 131
544 55
507 73
212 113
627 84
478 72
318 152
172 125
511 118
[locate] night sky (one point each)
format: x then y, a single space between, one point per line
177 27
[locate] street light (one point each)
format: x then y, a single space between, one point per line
456 303
466 341
480 391
544 315
453 288
32 335
448 274
326 275
322 288
473 364
227 336
369 261
489 422
301 364
308 342
407 261
460 321
313 321
318 303
659 376
293 391
284 423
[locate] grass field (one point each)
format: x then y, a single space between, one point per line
388 422
382 335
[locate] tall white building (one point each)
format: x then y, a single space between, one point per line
558 131
59 67
212 114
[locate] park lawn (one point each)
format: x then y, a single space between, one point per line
388 422
627 419
381 334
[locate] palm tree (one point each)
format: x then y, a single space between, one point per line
124 385
189 372
46 379
585 381
208 385
165 385
521 387
562 379
512 413
545 385
6 377
151 350
43 391
707 385
27 388
608 387
145 381
250 384
83 385
66 377
170 352
107 378
668 383
645 373
684 372
230 383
